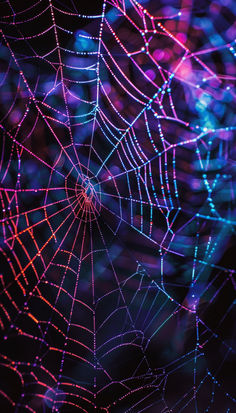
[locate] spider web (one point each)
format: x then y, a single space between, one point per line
117 194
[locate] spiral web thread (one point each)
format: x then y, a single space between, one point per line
117 194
